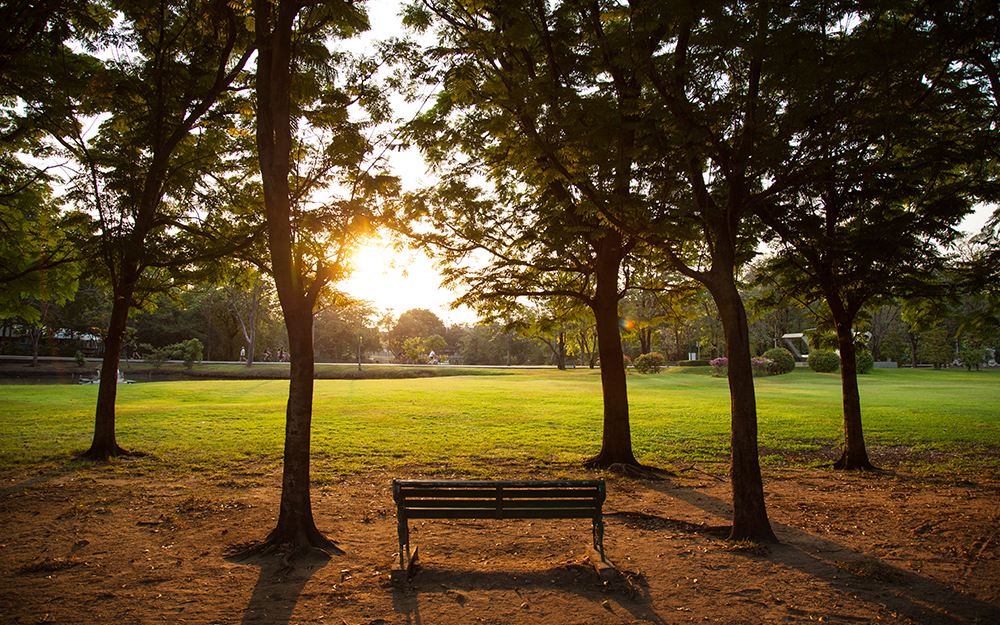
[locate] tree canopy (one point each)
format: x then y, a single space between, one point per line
163 99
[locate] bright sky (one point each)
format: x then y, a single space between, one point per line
401 281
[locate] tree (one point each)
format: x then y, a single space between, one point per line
548 324
885 328
936 347
38 236
716 78
527 101
345 333
298 98
249 296
976 273
414 323
898 163
680 310
598 125
650 309
708 326
164 96
495 344
38 258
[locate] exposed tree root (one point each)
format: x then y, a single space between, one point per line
289 554
103 454
290 551
849 463
628 469
705 473
641 472
759 535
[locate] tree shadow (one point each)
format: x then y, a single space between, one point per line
279 585
919 598
446 581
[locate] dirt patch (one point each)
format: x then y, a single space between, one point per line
101 545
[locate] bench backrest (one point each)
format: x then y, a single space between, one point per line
490 499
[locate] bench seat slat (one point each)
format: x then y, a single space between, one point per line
416 493
487 513
554 504
443 484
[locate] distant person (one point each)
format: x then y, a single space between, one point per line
243 354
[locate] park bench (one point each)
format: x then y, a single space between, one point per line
494 499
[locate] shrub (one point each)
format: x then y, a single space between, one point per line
156 356
648 363
823 361
864 359
720 367
761 366
80 360
693 363
784 362
972 356
189 351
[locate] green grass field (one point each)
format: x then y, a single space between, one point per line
472 423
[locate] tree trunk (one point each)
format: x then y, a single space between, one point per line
645 340
749 510
616 442
295 518
105 444
854 456
274 144
36 337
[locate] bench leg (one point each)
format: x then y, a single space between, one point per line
402 528
599 536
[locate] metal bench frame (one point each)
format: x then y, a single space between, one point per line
494 499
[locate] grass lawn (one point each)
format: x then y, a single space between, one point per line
472 423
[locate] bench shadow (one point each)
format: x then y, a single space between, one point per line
918 598
454 582
278 587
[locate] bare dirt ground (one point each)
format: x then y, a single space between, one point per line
101 545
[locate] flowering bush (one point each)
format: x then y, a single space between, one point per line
761 366
720 367
784 362
649 363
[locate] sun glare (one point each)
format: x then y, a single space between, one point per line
401 280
